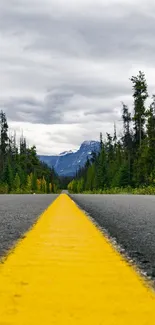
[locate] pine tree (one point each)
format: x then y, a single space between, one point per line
101 169
23 162
80 185
130 160
29 183
7 176
101 140
34 181
110 159
23 146
50 187
140 95
127 140
151 140
115 135
3 139
43 185
90 177
16 183
38 185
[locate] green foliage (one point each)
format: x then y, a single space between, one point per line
140 95
149 190
16 184
20 170
28 184
3 188
125 165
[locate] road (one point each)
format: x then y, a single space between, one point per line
130 220
65 271
17 214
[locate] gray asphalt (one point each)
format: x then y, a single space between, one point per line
128 219
17 214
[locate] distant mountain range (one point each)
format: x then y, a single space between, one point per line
68 162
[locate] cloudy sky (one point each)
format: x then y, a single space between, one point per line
65 66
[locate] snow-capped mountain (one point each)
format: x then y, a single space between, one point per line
68 162
65 153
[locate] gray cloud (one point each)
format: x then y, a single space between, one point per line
106 34
62 106
69 63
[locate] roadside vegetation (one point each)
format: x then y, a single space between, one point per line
20 169
126 163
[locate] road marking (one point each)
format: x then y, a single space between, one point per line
65 272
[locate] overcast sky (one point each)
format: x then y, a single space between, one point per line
65 66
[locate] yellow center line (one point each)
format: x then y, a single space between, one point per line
66 272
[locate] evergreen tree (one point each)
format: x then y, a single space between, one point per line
50 188
151 140
7 175
130 160
16 183
3 139
101 140
90 179
20 169
140 95
101 169
34 181
29 184
127 141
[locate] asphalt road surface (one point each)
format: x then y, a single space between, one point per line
17 214
130 220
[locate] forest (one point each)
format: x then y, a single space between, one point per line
20 169
125 163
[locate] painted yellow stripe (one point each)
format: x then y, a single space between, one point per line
66 272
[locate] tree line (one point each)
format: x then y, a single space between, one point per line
125 162
21 171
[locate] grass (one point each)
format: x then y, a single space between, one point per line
145 190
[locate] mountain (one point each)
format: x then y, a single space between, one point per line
68 162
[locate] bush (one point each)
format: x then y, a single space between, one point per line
3 188
145 190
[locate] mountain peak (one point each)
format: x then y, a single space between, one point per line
68 162
65 153
91 145
89 142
